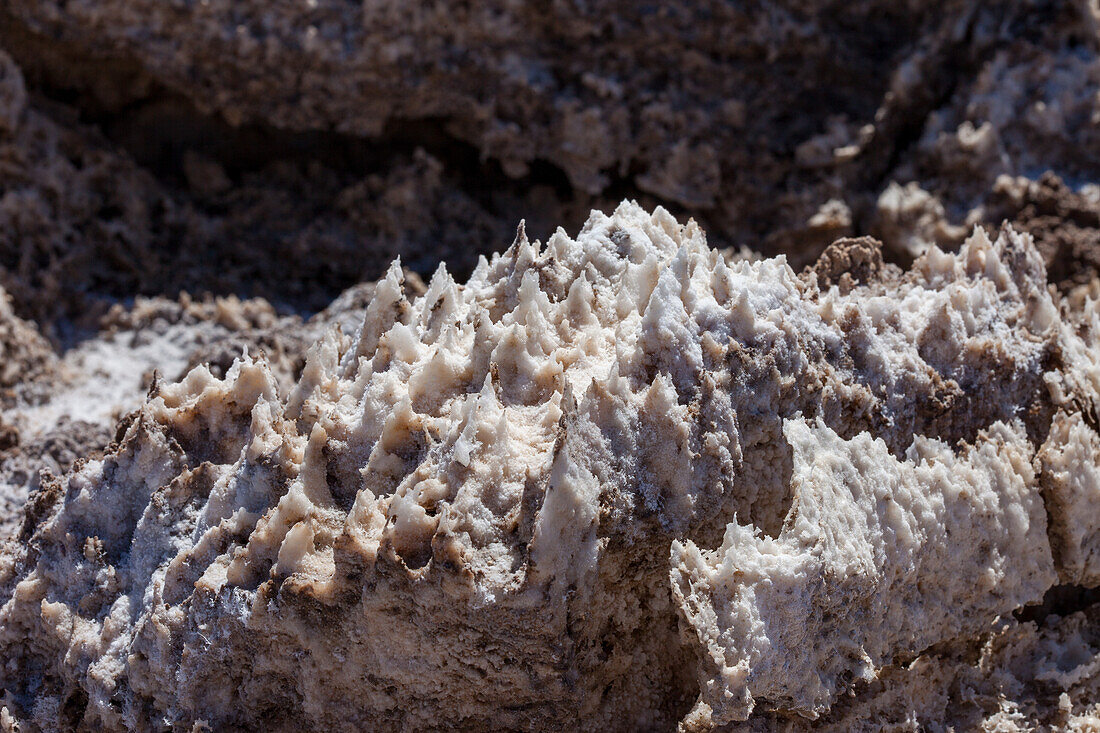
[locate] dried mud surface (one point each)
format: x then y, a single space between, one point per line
202 184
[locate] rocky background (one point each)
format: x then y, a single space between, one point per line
290 150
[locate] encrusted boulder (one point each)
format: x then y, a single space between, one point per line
610 482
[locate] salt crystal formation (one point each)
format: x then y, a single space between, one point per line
613 482
867 566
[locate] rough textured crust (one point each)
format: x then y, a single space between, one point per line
25 356
83 225
468 523
463 512
1070 461
1022 677
849 262
878 559
522 84
777 123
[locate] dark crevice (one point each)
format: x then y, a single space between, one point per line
903 122
943 71
903 125
161 129
235 205
158 126
1060 601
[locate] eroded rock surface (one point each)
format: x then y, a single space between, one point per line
358 132
83 225
610 482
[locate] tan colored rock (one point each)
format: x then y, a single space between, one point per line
912 221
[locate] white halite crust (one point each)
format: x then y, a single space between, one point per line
1070 460
878 558
462 514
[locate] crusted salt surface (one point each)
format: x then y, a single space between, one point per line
104 378
1071 485
463 513
877 558
1023 677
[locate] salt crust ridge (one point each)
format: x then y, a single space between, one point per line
867 567
492 506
